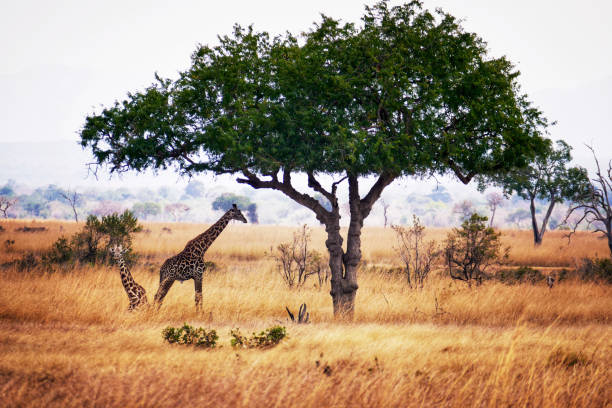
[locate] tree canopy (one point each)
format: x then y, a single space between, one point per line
406 92
547 178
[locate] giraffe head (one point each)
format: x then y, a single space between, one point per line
235 214
116 251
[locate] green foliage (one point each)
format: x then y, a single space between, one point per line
523 274
27 262
92 243
471 249
60 253
188 335
225 201
264 339
548 178
406 92
595 270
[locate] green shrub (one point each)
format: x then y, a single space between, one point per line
27 262
188 335
60 252
264 339
595 270
92 243
523 274
470 250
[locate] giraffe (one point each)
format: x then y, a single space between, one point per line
189 263
136 293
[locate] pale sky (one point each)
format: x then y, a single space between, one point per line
61 59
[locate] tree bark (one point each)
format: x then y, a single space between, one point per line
343 265
343 283
537 239
538 233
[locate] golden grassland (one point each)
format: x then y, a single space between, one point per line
66 338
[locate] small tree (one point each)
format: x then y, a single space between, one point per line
417 256
548 178
73 199
470 250
5 204
595 201
494 200
113 229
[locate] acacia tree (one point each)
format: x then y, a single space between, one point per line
405 93
547 178
74 200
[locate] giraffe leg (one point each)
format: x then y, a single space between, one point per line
164 287
197 281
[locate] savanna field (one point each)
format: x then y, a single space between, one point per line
67 339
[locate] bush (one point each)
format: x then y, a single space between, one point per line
92 243
265 339
595 270
417 255
472 249
60 252
188 335
27 262
295 263
524 274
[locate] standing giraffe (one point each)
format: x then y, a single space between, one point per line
136 293
189 263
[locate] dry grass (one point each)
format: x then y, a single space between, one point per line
66 339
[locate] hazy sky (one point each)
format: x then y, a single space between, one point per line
62 59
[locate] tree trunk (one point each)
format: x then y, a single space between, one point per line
546 218
538 234
537 238
343 280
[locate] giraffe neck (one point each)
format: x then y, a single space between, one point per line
126 276
200 244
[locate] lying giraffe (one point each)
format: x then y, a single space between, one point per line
136 293
189 263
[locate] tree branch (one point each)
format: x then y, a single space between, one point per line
316 186
375 192
286 188
464 179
